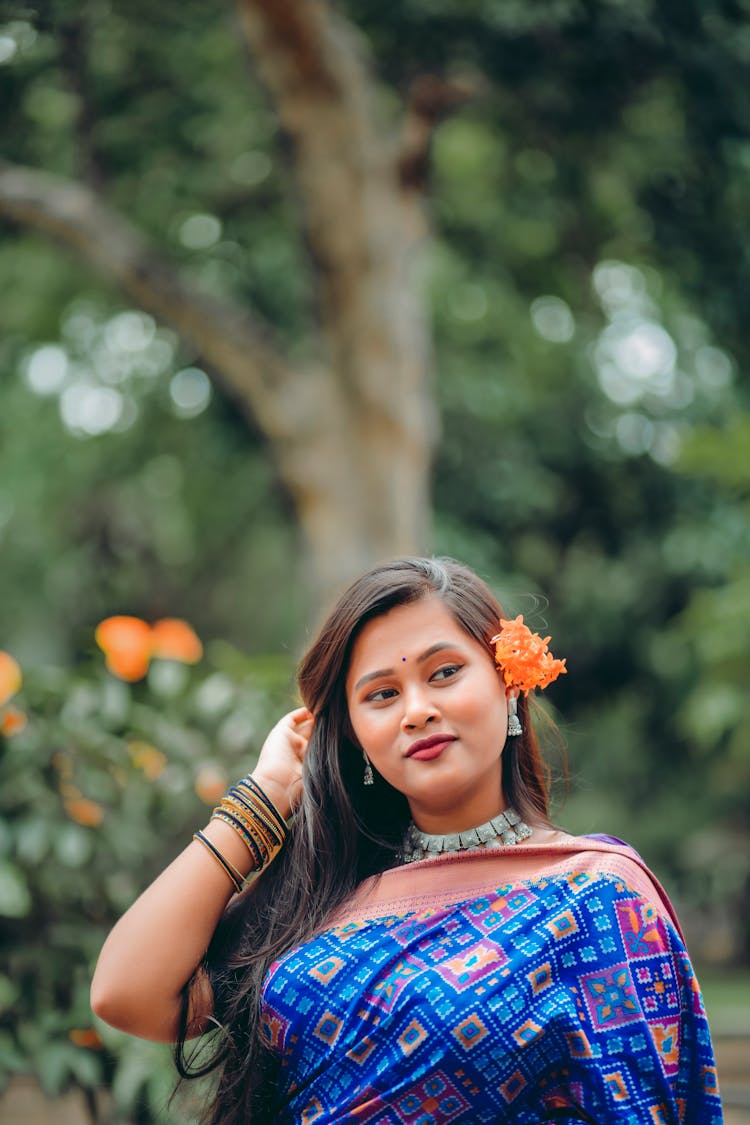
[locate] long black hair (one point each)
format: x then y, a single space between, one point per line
342 831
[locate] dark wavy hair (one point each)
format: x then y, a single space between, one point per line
342 831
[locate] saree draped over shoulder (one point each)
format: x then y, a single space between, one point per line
519 985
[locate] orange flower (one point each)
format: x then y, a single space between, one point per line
147 758
126 643
10 677
173 639
85 812
211 784
524 658
85 1037
12 721
130 643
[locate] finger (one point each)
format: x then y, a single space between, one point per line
299 743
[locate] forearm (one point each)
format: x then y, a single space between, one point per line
156 946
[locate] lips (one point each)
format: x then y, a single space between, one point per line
430 747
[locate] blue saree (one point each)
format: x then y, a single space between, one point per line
519 985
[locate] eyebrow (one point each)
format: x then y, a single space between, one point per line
420 660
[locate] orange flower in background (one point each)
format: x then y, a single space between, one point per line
12 721
126 643
129 644
172 639
10 677
146 757
211 784
524 658
85 812
85 1037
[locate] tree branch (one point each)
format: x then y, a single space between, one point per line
236 345
430 99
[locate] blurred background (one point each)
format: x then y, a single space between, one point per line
288 289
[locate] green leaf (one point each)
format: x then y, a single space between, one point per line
87 1068
73 845
11 1059
9 992
52 1066
15 900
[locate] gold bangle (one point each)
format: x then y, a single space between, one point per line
248 838
246 797
262 801
254 834
251 819
256 820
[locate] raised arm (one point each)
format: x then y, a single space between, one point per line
153 951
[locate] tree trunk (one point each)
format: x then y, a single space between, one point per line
352 439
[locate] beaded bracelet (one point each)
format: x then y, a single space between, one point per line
246 798
255 819
254 832
252 784
258 856
238 796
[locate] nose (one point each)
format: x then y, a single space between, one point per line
419 709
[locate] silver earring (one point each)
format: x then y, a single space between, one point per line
369 778
514 723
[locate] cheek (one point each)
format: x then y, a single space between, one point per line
487 704
490 721
374 733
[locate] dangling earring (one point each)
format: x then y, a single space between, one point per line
369 778
514 724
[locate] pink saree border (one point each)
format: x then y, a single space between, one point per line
449 879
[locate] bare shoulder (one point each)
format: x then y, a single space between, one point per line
545 836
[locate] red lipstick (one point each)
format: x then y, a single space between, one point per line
427 748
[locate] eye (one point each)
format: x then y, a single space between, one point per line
447 672
382 695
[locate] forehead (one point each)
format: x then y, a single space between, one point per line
405 631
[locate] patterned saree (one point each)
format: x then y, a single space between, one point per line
521 985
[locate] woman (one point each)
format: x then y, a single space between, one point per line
426 947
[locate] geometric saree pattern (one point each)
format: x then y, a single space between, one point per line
554 999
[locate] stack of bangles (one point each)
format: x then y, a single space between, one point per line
257 822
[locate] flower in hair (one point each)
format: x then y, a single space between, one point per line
524 658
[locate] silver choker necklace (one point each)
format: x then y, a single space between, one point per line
505 828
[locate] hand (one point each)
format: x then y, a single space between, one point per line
279 768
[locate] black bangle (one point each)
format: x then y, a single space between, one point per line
230 870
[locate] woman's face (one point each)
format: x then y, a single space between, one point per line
427 704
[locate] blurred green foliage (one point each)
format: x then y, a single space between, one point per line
100 790
587 279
